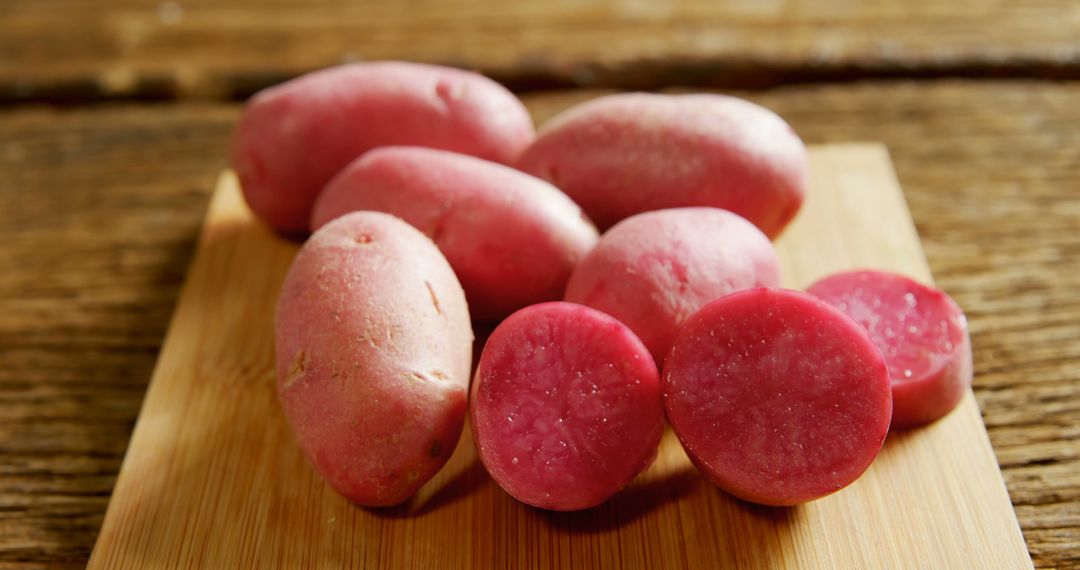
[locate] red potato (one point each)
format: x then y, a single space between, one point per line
512 239
625 154
653 270
920 330
373 348
565 406
294 137
776 396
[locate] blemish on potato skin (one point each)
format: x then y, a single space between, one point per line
436 449
368 338
364 239
438 228
448 90
553 176
297 369
434 298
430 376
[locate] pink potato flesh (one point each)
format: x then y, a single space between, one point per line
512 239
294 137
565 407
373 349
920 330
653 270
776 396
625 154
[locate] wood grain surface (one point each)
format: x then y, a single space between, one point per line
99 210
213 477
213 49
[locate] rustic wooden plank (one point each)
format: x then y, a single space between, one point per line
97 217
213 49
99 211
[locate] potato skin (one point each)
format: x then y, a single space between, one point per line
373 348
512 239
624 154
653 270
294 137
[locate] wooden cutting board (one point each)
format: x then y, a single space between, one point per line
213 479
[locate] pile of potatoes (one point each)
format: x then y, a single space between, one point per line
431 203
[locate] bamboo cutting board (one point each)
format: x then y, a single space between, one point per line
213 479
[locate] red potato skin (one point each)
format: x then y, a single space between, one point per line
512 239
565 406
293 138
625 154
653 270
921 331
373 348
777 397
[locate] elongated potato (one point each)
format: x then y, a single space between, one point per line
653 270
630 153
512 239
294 137
373 348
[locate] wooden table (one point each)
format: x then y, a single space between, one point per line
115 118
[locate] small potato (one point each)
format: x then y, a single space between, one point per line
653 270
921 332
294 137
566 406
373 349
512 239
630 153
777 397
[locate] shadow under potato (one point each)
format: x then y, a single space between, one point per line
461 486
626 506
